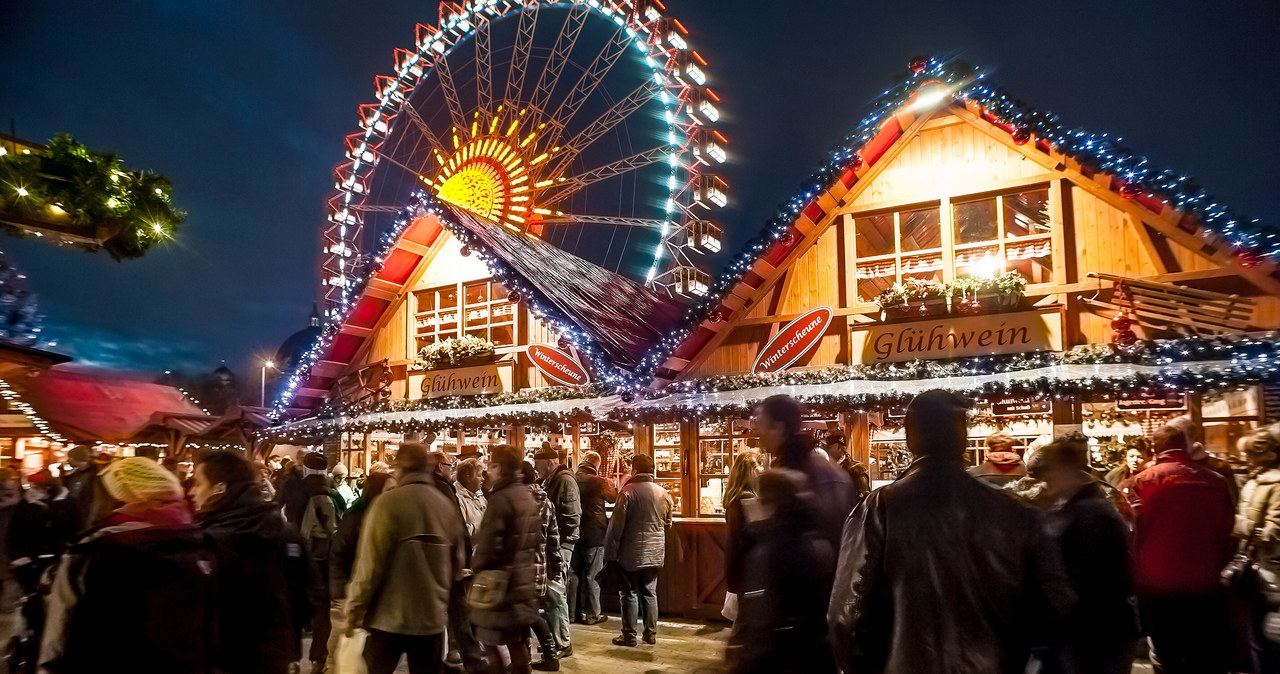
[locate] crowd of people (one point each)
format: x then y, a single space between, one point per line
229 566
1030 561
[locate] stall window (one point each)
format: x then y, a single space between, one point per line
719 440
891 247
990 235
1004 232
484 312
666 460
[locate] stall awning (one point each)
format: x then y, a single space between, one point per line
101 407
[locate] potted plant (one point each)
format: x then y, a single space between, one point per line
965 294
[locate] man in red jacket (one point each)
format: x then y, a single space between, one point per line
1181 541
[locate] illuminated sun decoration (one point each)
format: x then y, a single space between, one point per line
492 175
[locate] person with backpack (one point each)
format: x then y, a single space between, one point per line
318 525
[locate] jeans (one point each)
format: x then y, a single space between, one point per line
382 651
584 588
639 593
320 625
1265 653
462 637
556 604
1189 633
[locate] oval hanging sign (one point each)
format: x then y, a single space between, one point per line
793 341
557 365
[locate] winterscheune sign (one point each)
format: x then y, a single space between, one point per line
557 365
462 381
793 341
957 337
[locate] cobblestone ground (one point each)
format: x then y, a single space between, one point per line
683 646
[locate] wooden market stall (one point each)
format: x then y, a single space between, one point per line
956 239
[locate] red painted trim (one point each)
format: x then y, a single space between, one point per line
399 266
368 311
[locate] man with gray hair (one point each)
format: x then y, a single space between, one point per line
588 557
562 493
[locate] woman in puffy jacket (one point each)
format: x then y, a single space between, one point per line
1258 528
508 541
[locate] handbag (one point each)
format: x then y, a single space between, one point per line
349 655
1238 570
730 610
488 588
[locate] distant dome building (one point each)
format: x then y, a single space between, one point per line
295 346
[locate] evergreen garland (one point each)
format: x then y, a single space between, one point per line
70 187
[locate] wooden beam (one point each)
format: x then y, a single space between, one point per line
1259 275
901 204
1146 236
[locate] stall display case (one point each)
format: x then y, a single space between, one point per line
667 461
719 440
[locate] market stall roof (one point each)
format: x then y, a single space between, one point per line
621 317
1165 201
102 407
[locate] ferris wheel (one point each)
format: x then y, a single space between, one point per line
585 123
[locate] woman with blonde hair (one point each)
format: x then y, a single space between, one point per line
739 510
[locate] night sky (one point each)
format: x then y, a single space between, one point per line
243 104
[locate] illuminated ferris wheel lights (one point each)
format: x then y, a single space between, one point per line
711 190
710 147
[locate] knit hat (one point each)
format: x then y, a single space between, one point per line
314 461
546 452
136 478
339 470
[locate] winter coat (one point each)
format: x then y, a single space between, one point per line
941 573
786 585
1224 469
562 491
593 491
547 565
1182 529
637 534
509 538
472 505
738 515
1258 525
412 550
830 485
43 527
319 517
134 596
81 485
1117 476
1000 469
265 581
342 554
1093 541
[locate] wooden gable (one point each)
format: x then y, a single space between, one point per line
934 159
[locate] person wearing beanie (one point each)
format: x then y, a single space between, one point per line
142 578
935 538
318 523
265 579
1004 461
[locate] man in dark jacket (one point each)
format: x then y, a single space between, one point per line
779 420
562 493
637 541
412 549
1181 541
263 569
588 555
1101 631
463 648
939 572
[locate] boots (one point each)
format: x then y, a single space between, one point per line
549 662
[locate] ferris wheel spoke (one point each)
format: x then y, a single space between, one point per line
616 168
647 223
408 169
590 80
604 123
484 68
560 52
520 58
445 76
376 208
422 127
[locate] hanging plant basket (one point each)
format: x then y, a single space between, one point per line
965 295
465 351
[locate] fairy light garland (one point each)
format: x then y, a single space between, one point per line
14 400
